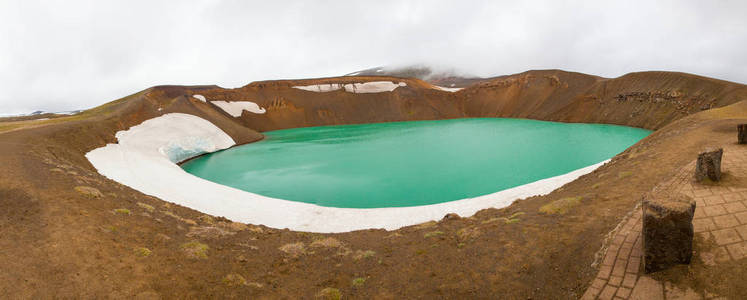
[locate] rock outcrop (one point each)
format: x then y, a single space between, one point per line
709 165
667 231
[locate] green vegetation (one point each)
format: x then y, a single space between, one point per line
560 206
8 127
359 281
234 279
88 191
330 294
195 249
329 242
294 249
122 211
511 221
147 207
433 233
425 225
206 219
363 254
142 252
624 174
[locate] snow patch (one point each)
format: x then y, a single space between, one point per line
200 97
364 87
234 108
447 89
145 157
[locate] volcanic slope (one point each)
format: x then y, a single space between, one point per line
66 231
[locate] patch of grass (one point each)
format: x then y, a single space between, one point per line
433 233
206 219
420 251
234 279
122 211
425 225
171 214
88 191
560 206
393 235
363 254
142 252
461 245
195 249
624 174
329 242
357 282
8 127
329 294
294 249
516 214
468 233
147 207
502 219
175 216
511 221
596 185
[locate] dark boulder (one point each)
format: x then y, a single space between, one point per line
451 216
709 165
667 231
742 134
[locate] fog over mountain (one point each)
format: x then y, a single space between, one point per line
66 55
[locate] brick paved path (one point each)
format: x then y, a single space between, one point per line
720 214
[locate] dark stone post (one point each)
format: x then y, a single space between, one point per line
742 134
709 165
667 232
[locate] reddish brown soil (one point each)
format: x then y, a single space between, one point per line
56 241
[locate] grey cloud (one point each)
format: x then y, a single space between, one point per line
61 55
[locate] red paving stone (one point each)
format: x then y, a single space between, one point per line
607 293
726 221
742 217
726 236
615 281
738 250
715 210
720 215
734 207
713 200
700 225
623 292
630 280
742 230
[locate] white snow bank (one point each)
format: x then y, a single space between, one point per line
144 160
235 108
200 97
364 87
447 89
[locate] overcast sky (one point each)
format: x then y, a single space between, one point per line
63 55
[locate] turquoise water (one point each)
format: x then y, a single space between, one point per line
410 163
